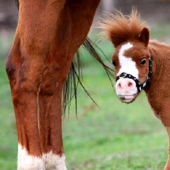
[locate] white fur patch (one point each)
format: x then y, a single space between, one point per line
54 162
28 162
127 65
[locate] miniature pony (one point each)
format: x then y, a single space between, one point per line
140 64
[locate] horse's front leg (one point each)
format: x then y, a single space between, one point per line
50 111
23 76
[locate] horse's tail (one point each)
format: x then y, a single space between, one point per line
74 77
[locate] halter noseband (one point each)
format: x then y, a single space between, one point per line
139 85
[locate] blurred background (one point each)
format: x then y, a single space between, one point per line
112 135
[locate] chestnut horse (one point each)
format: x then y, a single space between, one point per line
48 34
140 64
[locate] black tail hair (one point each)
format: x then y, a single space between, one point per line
74 77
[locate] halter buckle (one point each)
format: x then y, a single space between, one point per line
123 75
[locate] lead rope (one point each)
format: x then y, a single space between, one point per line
140 86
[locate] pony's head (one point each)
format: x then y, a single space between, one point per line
131 59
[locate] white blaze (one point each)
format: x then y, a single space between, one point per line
127 65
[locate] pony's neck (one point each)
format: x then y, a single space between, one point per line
160 60
158 87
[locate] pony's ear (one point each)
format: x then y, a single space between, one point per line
144 36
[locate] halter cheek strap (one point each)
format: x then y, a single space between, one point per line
139 85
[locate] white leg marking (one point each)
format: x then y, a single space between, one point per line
28 162
127 65
54 162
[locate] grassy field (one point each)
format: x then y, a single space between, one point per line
113 136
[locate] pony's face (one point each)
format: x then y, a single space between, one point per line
132 59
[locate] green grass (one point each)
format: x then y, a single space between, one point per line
8 137
113 136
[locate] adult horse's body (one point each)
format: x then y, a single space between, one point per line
48 34
140 64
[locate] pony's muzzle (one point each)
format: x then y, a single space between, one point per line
125 85
126 89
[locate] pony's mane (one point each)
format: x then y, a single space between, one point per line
121 28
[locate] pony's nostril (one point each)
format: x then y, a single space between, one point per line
125 84
119 85
130 84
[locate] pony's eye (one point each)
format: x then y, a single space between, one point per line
143 61
114 63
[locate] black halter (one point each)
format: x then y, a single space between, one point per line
139 85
